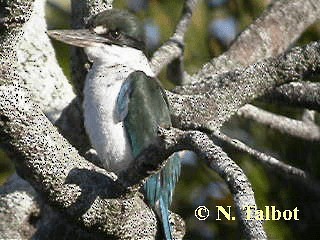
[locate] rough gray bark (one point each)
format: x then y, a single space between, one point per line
84 192
224 94
13 18
297 94
50 88
233 175
90 200
55 169
17 207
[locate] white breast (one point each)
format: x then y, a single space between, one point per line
101 89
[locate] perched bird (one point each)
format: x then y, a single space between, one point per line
123 101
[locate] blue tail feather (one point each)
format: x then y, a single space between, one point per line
159 190
164 214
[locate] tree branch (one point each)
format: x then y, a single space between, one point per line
14 17
173 48
17 205
37 61
305 130
226 93
282 169
238 183
25 216
84 192
273 32
297 94
58 6
216 159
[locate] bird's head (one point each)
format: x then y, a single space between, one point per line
107 34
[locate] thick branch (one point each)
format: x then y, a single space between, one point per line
14 216
273 32
38 67
305 130
238 183
17 206
231 90
173 48
297 94
24 215
84 192
13 17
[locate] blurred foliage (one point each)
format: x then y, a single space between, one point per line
215 24
6 167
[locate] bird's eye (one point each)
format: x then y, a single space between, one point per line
114 34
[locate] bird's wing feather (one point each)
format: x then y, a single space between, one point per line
143 106
123 100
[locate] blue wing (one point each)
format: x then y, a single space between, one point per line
142 106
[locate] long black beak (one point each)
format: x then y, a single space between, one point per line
78 37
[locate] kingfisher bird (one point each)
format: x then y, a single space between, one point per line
123 102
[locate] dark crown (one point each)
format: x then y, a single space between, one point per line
120 27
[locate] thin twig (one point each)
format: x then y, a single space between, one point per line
59 7
284 170
299 129
173 48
